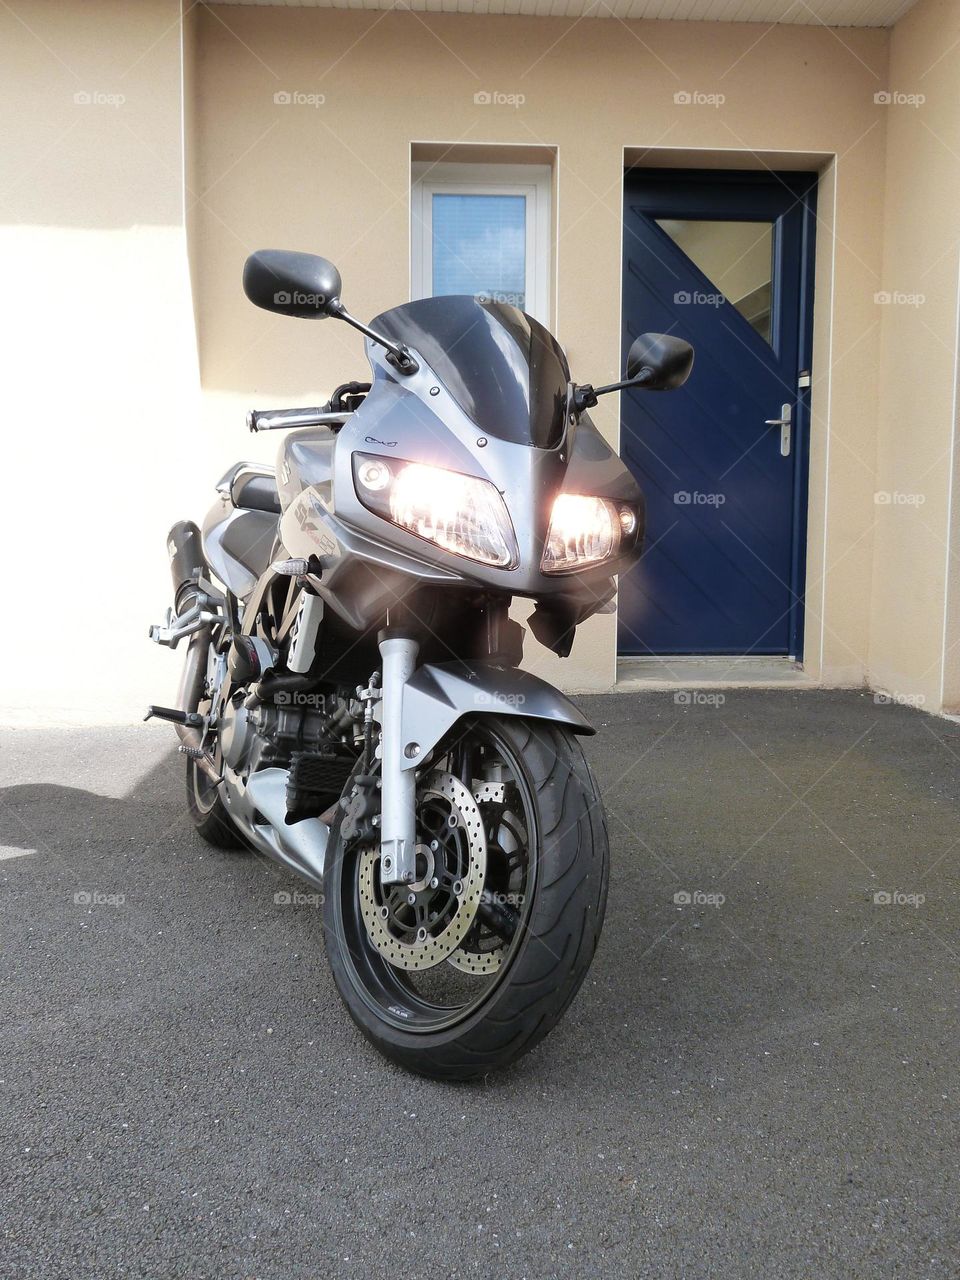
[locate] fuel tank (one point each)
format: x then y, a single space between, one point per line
238 544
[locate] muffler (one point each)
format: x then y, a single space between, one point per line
185 548
193 607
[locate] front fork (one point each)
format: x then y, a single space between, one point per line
398 795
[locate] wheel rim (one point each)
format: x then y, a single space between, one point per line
464 958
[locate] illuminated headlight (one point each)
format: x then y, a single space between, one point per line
585 531
461 514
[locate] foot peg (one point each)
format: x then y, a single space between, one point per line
203 612
192 719
204 761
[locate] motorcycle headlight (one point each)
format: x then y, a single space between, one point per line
462 514
585 531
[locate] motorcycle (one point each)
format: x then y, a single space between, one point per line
352 703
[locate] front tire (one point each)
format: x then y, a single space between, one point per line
557 929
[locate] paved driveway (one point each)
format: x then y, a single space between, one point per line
758 1082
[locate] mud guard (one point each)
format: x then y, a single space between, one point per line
437 695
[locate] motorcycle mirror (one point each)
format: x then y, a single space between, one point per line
655 362
308 287
659 362
292 284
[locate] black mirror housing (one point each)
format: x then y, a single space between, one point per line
292 284
659 361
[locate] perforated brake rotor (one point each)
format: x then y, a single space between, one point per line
477 959
443 915
481 962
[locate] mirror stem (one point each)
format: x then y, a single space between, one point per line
585 396
401 359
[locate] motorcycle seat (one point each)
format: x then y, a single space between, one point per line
254 488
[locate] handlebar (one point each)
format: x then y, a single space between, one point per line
347 397
284 419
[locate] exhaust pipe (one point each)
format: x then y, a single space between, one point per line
185 548
192 607
186 566
194 669
188 618
189 694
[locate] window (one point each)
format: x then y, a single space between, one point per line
485 230
735 256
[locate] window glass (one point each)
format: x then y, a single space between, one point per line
479 246
737 257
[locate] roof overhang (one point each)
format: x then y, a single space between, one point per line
830 13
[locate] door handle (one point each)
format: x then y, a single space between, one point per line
785 423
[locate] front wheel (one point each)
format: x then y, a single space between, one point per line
470 966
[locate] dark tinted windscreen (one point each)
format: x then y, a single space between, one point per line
504 369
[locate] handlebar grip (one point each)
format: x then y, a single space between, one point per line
284 419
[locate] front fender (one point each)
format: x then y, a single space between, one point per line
439 694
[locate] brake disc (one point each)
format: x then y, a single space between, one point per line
484 952
482 962
424 932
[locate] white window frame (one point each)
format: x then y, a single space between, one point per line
532 181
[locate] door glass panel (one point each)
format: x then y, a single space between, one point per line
737 257
479 246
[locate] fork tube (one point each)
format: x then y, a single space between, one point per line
398 816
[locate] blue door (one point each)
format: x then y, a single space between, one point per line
724 260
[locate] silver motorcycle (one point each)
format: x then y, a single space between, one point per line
352 703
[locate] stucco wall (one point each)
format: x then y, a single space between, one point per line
915 648
100 389
334 178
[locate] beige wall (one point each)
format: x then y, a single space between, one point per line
335 178
912 652
100 388
101 205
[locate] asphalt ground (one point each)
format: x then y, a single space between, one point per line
758 1078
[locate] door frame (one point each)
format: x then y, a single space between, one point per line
804 184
